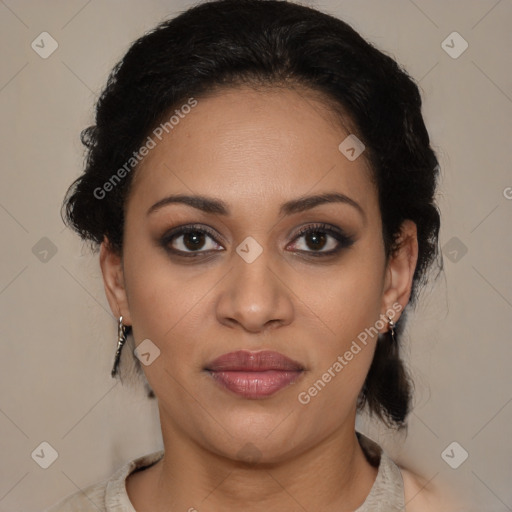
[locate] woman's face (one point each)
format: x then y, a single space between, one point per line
244 279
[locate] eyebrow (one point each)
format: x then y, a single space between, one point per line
219 207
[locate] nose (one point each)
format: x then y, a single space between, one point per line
255 296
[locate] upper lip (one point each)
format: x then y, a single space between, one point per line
245 360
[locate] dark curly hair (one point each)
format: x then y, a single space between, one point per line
271 43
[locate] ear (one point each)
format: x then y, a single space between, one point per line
113 280
400 270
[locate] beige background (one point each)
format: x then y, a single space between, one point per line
57 332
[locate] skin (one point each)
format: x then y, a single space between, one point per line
255 150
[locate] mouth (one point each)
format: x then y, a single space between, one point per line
254 375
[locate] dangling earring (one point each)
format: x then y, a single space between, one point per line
392 329
121 340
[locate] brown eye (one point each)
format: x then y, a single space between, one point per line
193 240
188 240
320 240
316 239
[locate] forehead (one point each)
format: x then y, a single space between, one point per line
247 145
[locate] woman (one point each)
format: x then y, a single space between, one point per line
261 186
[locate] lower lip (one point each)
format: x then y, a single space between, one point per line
255 384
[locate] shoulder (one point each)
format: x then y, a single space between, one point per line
108 494
421 495
90 499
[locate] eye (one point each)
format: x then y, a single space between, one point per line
316 237
189 239
193 241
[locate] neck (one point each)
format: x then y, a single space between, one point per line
333 475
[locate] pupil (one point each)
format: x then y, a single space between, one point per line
318 239
195 239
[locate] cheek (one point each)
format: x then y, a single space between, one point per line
329 398
350 300
167 306
343 358
163 300
164 309
159 294
349 306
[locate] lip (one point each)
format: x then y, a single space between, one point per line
245 360
254 374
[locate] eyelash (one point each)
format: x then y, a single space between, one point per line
343 240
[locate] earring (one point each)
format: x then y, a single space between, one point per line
392 329
121 340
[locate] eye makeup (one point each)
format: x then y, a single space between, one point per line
195 236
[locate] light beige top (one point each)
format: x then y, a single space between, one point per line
386 494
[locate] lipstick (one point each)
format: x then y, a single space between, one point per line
254 375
